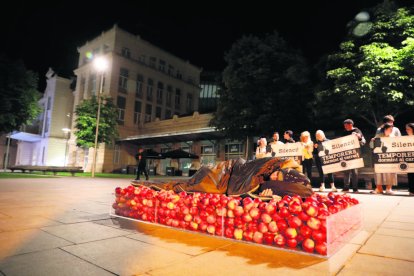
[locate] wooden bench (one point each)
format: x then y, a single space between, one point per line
44 169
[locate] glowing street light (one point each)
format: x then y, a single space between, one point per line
100 64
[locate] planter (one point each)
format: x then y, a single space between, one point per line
319 225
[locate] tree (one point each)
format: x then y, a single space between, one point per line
264 88
86 122
373 72
18 95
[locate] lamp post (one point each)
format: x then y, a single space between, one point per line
66 131
100 65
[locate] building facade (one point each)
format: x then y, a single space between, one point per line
147 84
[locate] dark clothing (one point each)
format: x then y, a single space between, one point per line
290 141
307 167
141 158
319 164
410 182
352 175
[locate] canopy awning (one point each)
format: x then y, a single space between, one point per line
208 133
25 136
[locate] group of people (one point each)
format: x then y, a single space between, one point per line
311 150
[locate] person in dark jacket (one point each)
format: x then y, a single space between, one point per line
288 136
141 158
353 173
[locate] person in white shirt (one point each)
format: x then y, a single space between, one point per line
262 150
389 119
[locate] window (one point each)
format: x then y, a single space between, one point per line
137 113
149 89
93 84
138 89
125 52
169 95
160 90
170 70
177 98
148 112
161 65
233 150
152 62
123 80
190 80
158 112
117 154
179 75
189 105
167 114
121 103
142 58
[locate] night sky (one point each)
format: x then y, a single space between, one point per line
45 35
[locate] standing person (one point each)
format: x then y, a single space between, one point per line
390 120
387 179
409 128
141 158
262 149
288 136
353 173
307 153
275 141
320 137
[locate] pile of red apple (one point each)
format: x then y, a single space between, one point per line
290 223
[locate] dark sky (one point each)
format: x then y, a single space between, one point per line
46 35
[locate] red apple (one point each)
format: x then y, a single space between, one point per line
263 227
294 207
254 213
230 213
280 240
292 243
284 212
211 219
248 203
238 211
248 235
303 216
232 204
318 236
268 238
258 237
221 211
291 233
228 232
238 234
308 245
294 222
188 218
282 224
314 223
272 227
270 208
305 231
211 229
321 248
193 225
203 226
266 218
312 211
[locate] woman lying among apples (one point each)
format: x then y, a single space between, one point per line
264 177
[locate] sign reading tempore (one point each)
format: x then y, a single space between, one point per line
393 154
341 154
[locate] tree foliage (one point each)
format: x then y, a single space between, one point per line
18 95
86 122
372 73
264 88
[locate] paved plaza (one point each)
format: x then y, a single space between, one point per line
61 226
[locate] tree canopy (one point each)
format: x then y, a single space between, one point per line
86 122
265 88
18 95
372 73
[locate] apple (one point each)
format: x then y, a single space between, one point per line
219 231
279 240
203 226
295 207
248 203
305 231
282 224
314 223
118 190
174 223
266 218
291 233
272 226
308 245
270 208
188 218
312 211
321 248
238 234
258 237
238 211
303 216
230 213
193 210
170 205
284 212
228 232
263 227
318 236
193 225
211 229
232 204
248 235
292 243
254 213
268 238
323 213
257 202
294 222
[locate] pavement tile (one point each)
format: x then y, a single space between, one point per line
24 241
361 237
389 246
13 224
49 262
84 232
126 256
398 225
362 264
185 242
72 216
395 232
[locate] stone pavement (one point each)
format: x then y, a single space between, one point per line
61 226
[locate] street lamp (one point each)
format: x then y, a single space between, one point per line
66 131
100 65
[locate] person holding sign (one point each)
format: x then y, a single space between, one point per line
307 153
353 173
320 138
390 120
409 128
387 179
